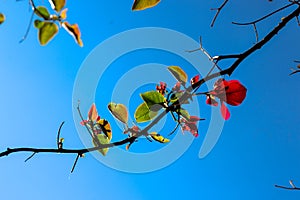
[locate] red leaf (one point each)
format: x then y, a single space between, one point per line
211 101
224 111
195 80
84 122
93 114
176 87
235 93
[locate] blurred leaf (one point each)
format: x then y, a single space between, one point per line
2 18
63 14
47 32
175 97
74 31
184 113
143 113
42 12
57 4
159 138
144 4
38 23
178 73
119 111
103 140
105 127
153 99
93 114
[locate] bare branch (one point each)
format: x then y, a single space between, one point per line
218 12
264 17
212 59
293 187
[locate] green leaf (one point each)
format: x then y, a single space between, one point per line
119 111
2 18
42 12
57 4
184 113
38 23
103 140
47 32
143 113
178 73
153 99
144 4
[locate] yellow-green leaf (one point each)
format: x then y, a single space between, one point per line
102 140
74 31
63 14
2 18
38 23
157 137
144 4
178 73
184 113
143 113
47 32
153 99
119 111
57 4
42 12
105 127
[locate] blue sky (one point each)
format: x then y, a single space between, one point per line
258 146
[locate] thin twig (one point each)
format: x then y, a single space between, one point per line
173 131
30 157
293 187
59 145
264 17
218 12
256 32
212 59
28 28
80 115
75 163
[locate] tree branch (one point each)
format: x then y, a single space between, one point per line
71 151
293 187
218 12
255 47
186 95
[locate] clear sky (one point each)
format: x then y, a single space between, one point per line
258 146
